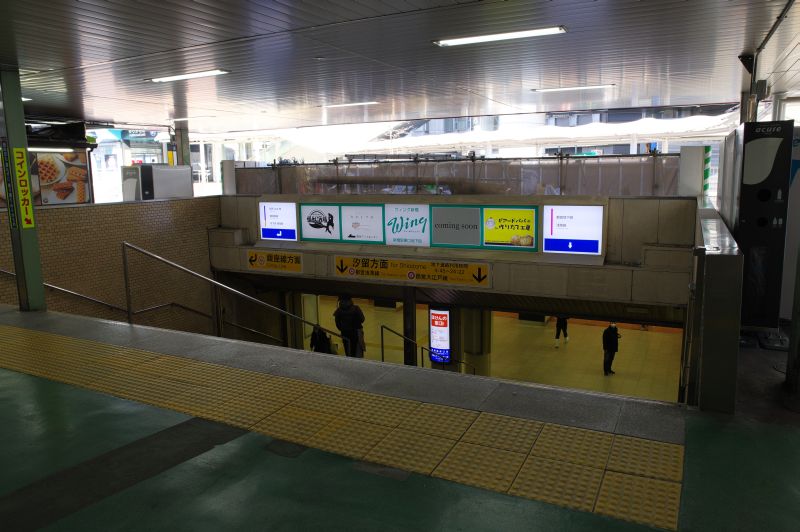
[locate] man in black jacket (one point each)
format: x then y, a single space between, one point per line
610 347
349 319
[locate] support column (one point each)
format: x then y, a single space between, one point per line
295 328
475 331
792 386
182 142
19 195
410 325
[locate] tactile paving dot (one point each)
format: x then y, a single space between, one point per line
642 500
349 437
647 458
569 444
380 409
480 466
411 451
438 420
561 483
293 424
327 399
503 432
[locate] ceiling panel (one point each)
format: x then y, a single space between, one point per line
91 58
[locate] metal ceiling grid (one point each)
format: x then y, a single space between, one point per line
91 58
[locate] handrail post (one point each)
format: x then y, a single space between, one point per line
126 272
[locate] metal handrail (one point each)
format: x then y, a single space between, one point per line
398 334
112 306
128 297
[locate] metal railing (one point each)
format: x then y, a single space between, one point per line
421 348
172 304
217 288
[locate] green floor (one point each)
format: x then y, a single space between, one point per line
740 475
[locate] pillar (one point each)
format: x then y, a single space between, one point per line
410 325
19 195
792 386
475 333
182 143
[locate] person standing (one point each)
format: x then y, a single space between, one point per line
610 347
320 342
349 320
561 326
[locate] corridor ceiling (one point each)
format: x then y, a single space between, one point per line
92 59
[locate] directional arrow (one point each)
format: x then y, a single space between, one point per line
341 267
480 278
253 258
28 221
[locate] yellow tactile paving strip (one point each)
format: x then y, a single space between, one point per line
619 476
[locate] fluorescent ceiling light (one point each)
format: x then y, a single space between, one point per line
349 104
584 87
52 150
184 119
24 99
193 75
502 36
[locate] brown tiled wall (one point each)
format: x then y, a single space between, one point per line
81 251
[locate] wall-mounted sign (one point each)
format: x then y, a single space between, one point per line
274 261
320 222
415 271
278 221
407 225
24 187
573 229
63 177
362 224
440 336
455 226
510 227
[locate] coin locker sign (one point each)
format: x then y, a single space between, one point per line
274 261
24 195
386 269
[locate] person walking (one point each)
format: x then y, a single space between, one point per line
610 347
320 342
561 326
349 320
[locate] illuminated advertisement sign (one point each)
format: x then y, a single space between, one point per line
440 336
362 224
455 226
407 225
510 227
575 229
320 222
278 221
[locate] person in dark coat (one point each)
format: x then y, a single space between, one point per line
349 320
561 326
320 342
610 347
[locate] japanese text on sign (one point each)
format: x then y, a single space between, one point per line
274 261
510 227
377 268
24 197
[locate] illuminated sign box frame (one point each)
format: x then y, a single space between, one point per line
536 236
343 206
586 241
264 229
440 344
337 229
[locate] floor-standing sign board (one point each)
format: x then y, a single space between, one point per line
760 230
440 336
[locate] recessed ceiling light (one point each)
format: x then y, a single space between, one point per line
583 87
24 99
501 36
193 75
349 104
51 150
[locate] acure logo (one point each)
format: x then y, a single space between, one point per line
319 220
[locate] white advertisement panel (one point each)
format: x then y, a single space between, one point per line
440 336
278 221
574 229
407 225
320 222
362 224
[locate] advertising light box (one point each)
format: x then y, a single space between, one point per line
575 229
440 336
278 221
320 222
362 224
510 227
407 225
455 226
